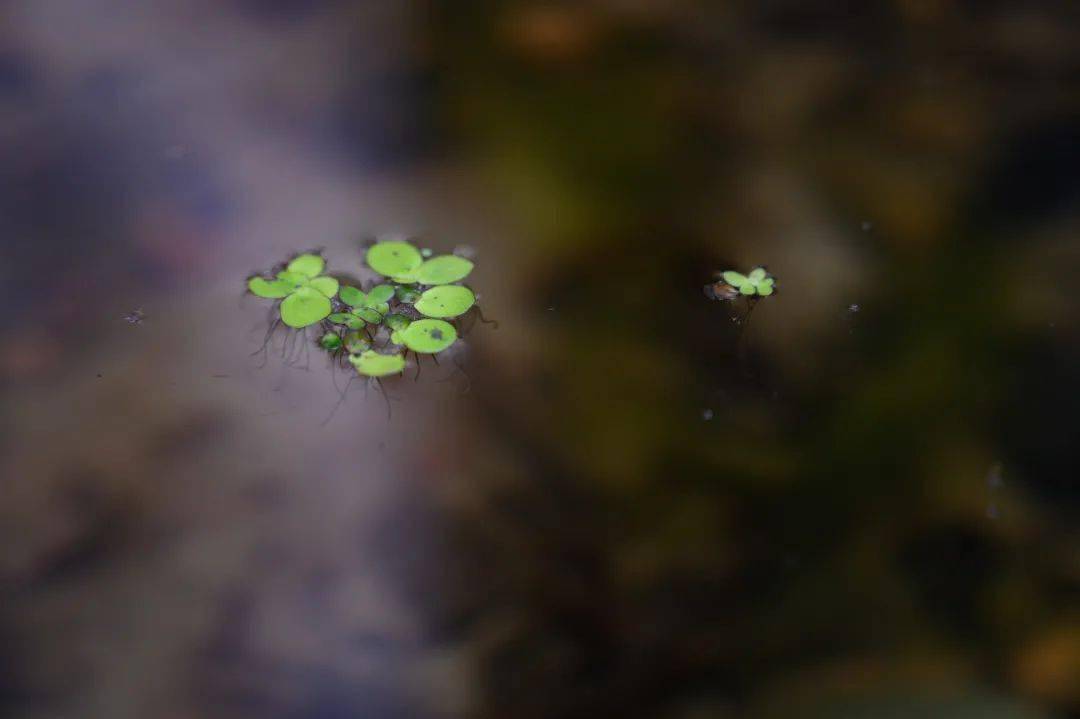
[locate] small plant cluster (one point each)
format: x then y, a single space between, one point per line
411 309
731 284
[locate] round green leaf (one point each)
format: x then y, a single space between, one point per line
356 343
379 294
270 289
428 336
348 319
397 322
327 285
446 301
373 364
307 265
757 274
330 341
765 287
395 338
734 278
352 296
747 288
370 314
443 270
391 259
304 307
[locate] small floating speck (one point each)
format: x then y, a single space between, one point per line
707 414
134 318
867 226
853 308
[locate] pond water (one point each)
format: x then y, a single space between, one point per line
855 497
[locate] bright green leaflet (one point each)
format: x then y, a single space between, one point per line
747 288
393 259
330 341
307 265
373 364
428 336
305 307
408 295
326 285
352 296
443 270
734 278
269 289
765 287
756 275
379 294
295 279
446 301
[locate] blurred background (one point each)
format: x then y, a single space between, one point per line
637 503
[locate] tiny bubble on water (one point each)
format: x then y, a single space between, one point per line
853 308
707 414
867 226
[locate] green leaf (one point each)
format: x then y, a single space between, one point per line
327 285
330 341
428 336
305 307
395 338
443 270
370 315
379 294
734 278
397 322
307 265
747 288
352 296
356 343
270 289
348 319
373 364
757 274
295 279
391 259
446 301
765 287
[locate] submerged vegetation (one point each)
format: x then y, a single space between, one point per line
411 308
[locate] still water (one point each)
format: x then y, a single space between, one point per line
857 500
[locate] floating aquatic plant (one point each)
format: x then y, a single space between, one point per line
305 293
758 282
410 310
373 364
364 308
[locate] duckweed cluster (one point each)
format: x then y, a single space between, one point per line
412 308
